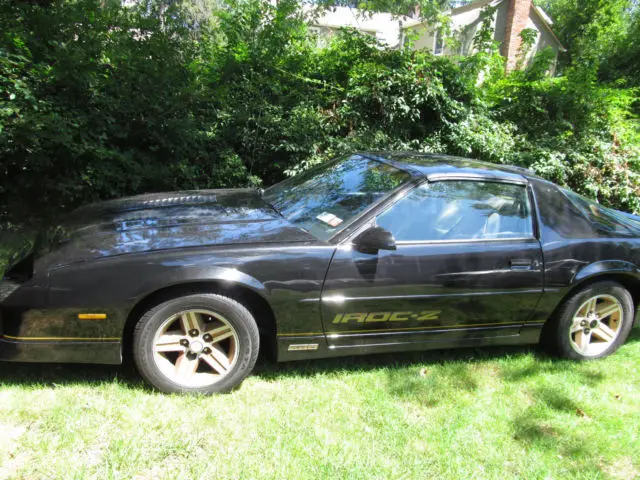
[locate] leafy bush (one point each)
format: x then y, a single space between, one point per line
99 100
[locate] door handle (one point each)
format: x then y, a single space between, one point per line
521 264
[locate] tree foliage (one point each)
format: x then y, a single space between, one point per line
601 36
99 100
426 9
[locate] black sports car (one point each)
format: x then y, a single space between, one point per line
367 253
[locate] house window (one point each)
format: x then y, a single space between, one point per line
321 37
438 45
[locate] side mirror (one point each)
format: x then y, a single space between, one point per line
373 240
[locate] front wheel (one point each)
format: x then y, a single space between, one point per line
201 343
593 322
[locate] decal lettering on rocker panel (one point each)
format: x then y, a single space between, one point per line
382 317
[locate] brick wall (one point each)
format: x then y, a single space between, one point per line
517 18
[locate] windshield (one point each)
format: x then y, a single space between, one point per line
605 219
323 199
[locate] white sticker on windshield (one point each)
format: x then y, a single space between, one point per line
329 219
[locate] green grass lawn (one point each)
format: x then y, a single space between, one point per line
472 413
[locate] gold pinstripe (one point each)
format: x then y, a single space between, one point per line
88 339
303 334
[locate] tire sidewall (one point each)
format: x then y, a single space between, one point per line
235 313
568 311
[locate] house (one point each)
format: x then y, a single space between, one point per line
510 19
383 26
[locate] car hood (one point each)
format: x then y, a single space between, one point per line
163 221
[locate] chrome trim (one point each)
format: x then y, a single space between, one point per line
342 299
390 344
470 240
477 177
303 347
403 190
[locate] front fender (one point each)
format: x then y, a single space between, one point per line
197 274
117 286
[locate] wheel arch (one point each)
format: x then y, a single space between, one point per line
624 273
256 303
624 277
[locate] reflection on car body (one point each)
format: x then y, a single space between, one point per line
373 252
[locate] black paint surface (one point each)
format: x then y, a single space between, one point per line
115 256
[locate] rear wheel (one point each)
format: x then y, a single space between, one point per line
593 322
202 343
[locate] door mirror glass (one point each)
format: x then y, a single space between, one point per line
373 240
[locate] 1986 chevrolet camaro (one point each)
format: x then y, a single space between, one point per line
368 253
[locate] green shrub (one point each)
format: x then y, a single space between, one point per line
99 100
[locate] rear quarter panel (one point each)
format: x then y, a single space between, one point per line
574 251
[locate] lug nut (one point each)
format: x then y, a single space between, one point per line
583 323
193 333
207 338
207 351
587 330
184 342
191 356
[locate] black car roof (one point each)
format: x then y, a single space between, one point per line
440 167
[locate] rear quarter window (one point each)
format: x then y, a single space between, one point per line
604 219
559 218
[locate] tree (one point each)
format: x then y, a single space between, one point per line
593 31
426 9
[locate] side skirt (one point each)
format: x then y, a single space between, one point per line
292 348
38 351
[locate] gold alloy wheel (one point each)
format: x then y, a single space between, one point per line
195 348
596 325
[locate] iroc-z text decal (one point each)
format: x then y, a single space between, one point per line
378 317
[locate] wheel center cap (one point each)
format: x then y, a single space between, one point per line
593 324
196 347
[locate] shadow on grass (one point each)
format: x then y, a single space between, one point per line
428 389
536 427
409 375
403 379
53 374
398 364
541 424
269 370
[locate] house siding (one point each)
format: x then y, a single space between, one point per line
511 17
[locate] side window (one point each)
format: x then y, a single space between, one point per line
460 210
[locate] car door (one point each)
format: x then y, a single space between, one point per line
467 264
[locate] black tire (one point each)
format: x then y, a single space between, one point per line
556 334
247 341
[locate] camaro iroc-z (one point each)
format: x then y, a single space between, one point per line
367 253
